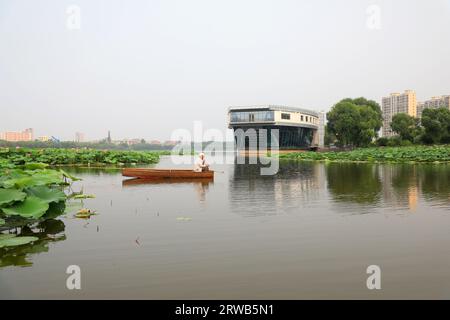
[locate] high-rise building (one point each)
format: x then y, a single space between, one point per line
13 136
397 103
79 137
434 103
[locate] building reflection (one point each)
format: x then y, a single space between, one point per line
346 187
400 185
294 188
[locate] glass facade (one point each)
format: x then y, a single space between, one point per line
289 137
252 116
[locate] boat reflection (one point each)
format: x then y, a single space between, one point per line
137 182
201 185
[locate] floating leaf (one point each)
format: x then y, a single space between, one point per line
32 207
16 241
84 196
184 219
47 194
6 236
8 196
85 213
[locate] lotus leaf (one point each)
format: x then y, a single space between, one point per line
47 194
32 207
35 166
6 236
84 196
8 196
15 241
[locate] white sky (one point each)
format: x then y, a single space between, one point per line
145 68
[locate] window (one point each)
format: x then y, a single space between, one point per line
301 118
285 116
255 116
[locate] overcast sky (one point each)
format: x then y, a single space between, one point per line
145 68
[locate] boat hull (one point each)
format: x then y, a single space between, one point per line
144 173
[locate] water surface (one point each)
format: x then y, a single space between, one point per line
308 232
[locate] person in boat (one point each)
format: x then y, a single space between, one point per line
200 163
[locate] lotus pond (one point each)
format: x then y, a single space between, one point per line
379 154
51 156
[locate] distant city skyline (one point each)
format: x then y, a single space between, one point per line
145 69
395 102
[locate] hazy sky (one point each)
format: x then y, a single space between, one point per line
144 68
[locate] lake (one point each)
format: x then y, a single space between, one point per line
308 232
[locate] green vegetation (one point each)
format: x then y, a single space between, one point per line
387 154
29 241
436 124
11 240
433 128
407 127
29 193
356 122
353 122
21 156
103 145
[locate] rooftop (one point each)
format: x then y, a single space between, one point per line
274 108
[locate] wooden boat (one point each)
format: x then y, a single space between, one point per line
146 173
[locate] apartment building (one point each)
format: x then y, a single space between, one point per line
434 102
397 103
13 136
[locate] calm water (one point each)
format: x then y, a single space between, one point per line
308 232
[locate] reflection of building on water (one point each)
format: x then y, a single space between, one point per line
372 186
295 187
400 185
351 187
413 198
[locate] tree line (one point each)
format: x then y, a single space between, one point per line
356 123
102 145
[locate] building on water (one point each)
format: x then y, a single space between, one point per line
297 128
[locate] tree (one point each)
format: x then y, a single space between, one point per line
405 126
361 101
329 137
436 123
353 122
